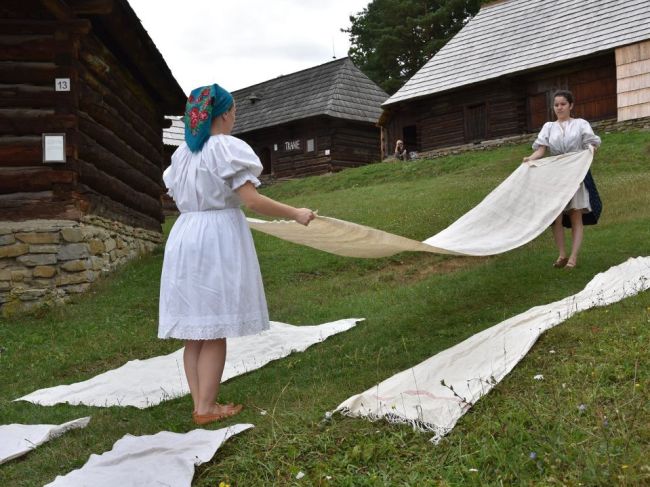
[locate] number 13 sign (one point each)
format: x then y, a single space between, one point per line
62 84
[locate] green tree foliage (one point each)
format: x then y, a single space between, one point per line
392 39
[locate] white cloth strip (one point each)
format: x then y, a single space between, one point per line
18 439
145 383
422 395
515 213
165 458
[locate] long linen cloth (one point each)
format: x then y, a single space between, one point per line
165 458
18 439
145 383
417 396
516 212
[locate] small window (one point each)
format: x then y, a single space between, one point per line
310 145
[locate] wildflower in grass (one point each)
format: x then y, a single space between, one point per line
264 412
473 469
223 484
538 377
532 455
328 415
582 408
625 466
551 351
300 475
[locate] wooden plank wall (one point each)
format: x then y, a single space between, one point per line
294 163
113 126
120 146
355 144
633 81
440 120
34 50
592 82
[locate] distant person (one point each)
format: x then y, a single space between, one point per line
400 151
568 134
211 287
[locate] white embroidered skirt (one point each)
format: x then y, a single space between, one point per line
211 286
580 200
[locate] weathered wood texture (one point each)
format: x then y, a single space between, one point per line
633 78
112 116
336 144
509 106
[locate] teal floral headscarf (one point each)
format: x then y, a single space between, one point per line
202 106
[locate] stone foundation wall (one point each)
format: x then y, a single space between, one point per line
601 127
45 261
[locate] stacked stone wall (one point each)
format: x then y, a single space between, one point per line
46 261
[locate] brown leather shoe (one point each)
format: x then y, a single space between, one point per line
560 262
226 412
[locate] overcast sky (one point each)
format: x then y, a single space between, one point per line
239 43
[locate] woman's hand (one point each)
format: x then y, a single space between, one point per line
304 216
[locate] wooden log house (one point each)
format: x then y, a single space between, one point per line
310 122
88 70
496 77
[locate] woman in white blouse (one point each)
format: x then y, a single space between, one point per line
565 135
211 288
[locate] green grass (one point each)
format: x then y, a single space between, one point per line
415 305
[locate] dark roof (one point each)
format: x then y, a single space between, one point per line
338 89
517 35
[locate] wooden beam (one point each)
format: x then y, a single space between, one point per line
59 9
91 7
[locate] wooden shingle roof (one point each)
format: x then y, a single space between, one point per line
337 89
517 35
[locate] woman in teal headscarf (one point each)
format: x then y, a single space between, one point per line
211 287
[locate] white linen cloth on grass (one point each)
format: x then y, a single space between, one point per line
416 396
211 286
145 383
18 439
164 459
516 212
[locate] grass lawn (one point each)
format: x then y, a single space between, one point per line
524 432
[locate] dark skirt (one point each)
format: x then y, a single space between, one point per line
592 217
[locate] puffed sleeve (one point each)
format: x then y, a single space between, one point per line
238 163
543 136
588 136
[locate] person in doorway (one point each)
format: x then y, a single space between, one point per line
568 134
400 151
211 288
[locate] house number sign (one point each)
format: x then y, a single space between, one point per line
62 84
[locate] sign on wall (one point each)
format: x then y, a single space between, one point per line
292 145
53 148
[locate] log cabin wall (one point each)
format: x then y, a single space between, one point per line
507 107
34 50
354 144
592 82
314 146
472 114
64 225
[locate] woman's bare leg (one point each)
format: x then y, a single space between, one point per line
577 229
210 369
558 235
191 363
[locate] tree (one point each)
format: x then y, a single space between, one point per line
392 39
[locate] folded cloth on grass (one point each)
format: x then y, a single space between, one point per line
515 213
18 439
145 383
417 395
165 458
